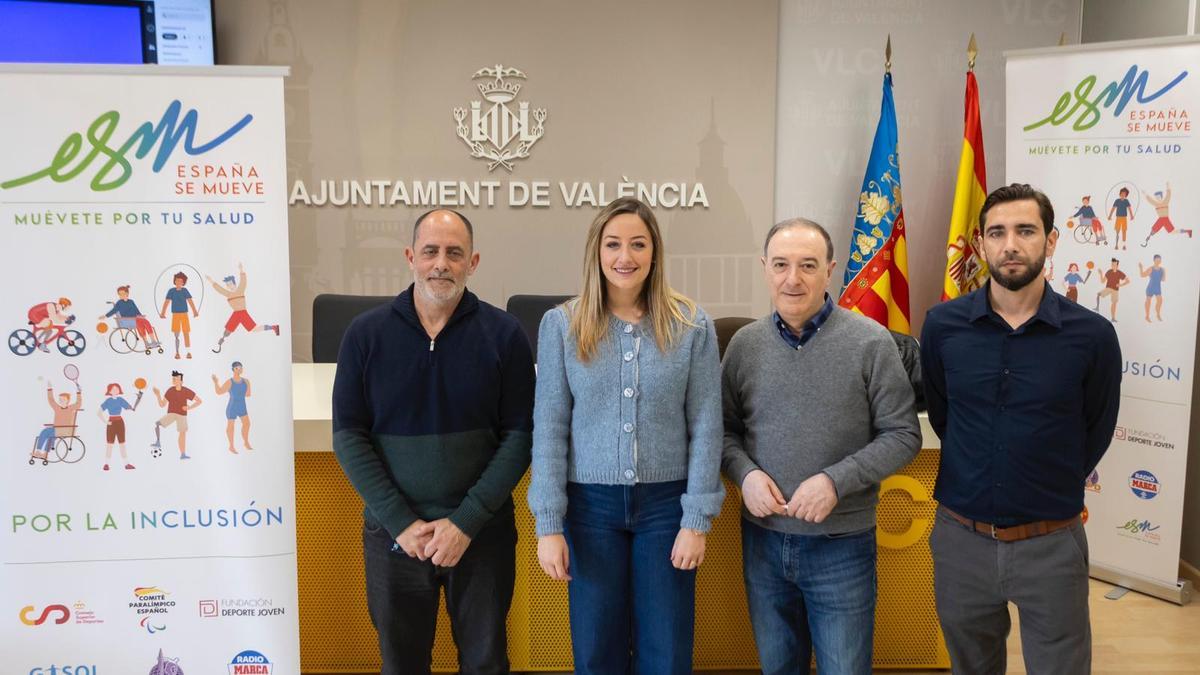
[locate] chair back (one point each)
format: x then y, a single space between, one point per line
332 314
529 310
726 327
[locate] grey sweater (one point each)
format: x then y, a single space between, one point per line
632 414
841 405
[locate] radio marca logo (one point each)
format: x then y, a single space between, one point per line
250 662
1144 484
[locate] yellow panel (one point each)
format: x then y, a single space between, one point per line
336 634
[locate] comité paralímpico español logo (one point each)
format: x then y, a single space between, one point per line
79 150
500 135
152 606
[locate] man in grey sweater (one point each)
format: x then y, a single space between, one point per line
818 410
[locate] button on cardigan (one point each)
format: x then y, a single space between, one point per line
632 414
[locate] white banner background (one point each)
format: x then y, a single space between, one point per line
1093 145
213 535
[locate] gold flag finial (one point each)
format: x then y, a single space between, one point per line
887 55
972 52
1062 39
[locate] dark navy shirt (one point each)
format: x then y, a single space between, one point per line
1024 415
810 327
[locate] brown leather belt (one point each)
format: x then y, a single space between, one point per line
1014 532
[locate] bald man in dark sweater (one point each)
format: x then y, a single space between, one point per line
432 423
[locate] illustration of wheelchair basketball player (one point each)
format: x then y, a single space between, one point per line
234 291
1087 218
130 317
1161 203
179 299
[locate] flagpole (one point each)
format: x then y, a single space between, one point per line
972 52
887 55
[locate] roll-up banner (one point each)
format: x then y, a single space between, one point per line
1109 133
148 496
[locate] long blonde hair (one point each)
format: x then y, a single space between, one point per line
589 312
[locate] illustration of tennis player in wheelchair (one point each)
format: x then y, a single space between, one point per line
58 440
133 331
48 323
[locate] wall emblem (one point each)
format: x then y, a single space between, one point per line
501 134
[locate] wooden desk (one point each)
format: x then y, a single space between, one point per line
336 635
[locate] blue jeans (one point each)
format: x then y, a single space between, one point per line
631 610
45 439
810 593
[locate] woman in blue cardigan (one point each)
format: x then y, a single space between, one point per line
627 451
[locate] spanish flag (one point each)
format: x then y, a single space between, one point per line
876 282
966 268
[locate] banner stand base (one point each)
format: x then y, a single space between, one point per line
1179 593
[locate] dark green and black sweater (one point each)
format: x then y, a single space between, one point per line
434 428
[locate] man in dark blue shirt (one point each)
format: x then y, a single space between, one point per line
1023 387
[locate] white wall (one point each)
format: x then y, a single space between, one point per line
1108 20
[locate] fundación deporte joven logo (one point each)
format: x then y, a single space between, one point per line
500 135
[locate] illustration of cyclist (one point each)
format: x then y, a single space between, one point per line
45 316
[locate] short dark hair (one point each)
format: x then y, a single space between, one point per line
180 276
1123 191
1116 261
1019 192
176 373
804 223
423 216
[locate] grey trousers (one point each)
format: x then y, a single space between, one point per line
1046 577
